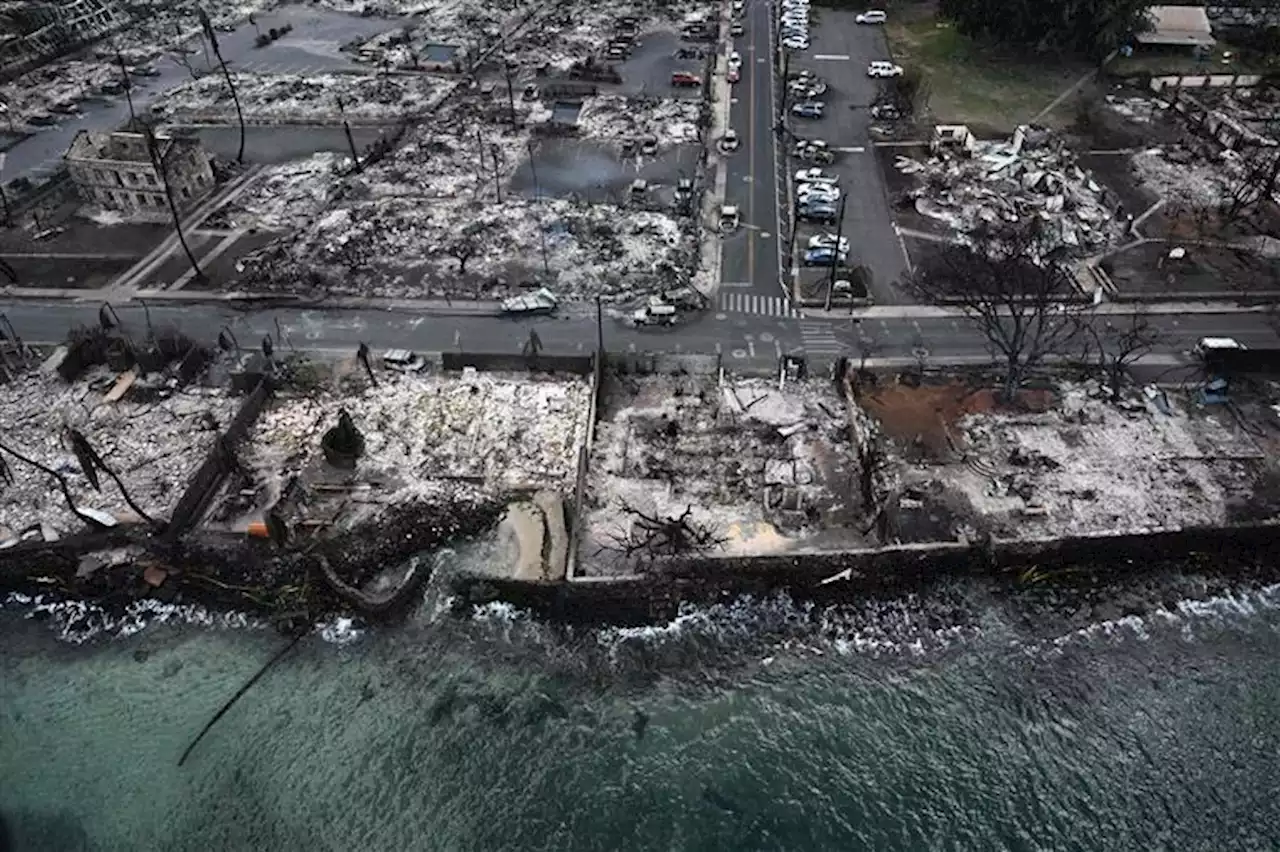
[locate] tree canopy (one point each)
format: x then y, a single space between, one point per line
1090 27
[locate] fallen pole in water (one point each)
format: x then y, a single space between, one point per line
240 692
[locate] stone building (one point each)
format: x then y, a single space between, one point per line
32 33
114 171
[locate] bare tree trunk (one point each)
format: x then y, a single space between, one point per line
48 471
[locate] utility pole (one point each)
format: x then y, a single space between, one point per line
599 327
537 200
835 261
511 94
4 196
346 128
497 186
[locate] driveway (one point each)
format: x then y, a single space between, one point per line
839 54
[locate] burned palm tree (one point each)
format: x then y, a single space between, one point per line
158 154
127 84
90 463
363 355
212 36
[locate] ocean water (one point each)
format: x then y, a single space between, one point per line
960 720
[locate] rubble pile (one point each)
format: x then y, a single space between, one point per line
153 444
285 196
427 9
460 24
1183 178
1090 466
396 247
423 434
1010 181
742 455
58 87
669 120
573 32
283 97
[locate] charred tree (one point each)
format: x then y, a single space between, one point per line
652 535
212 36
1016 292
1113 349
159 160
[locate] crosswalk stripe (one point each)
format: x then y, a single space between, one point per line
753 303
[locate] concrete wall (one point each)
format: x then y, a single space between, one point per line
209 477
513 362
822 577
651 363
1202 81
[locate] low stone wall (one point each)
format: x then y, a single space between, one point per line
835 576
514 362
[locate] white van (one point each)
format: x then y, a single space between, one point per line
1209 345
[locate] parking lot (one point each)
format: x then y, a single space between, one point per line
839 54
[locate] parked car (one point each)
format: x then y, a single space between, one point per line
795 43
829 241
684 78
735 59
872 16
733 75
736 28
887 112
649 146
729 218
808 109
810 175
884 69
819 195
729 141
824 257
825 213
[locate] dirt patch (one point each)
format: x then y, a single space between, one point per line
924 416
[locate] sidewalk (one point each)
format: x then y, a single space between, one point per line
909 312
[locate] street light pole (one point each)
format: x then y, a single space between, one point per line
537 201
835 261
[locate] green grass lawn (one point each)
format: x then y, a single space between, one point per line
973 83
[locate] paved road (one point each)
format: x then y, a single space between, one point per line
313 46
749 271
740 338
840 51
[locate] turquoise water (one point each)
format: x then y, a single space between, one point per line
959 722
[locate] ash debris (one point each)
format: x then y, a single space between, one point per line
437 217
744 466
668 121
154 438
429 438
286 195
325 98
1033 174
1076 462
